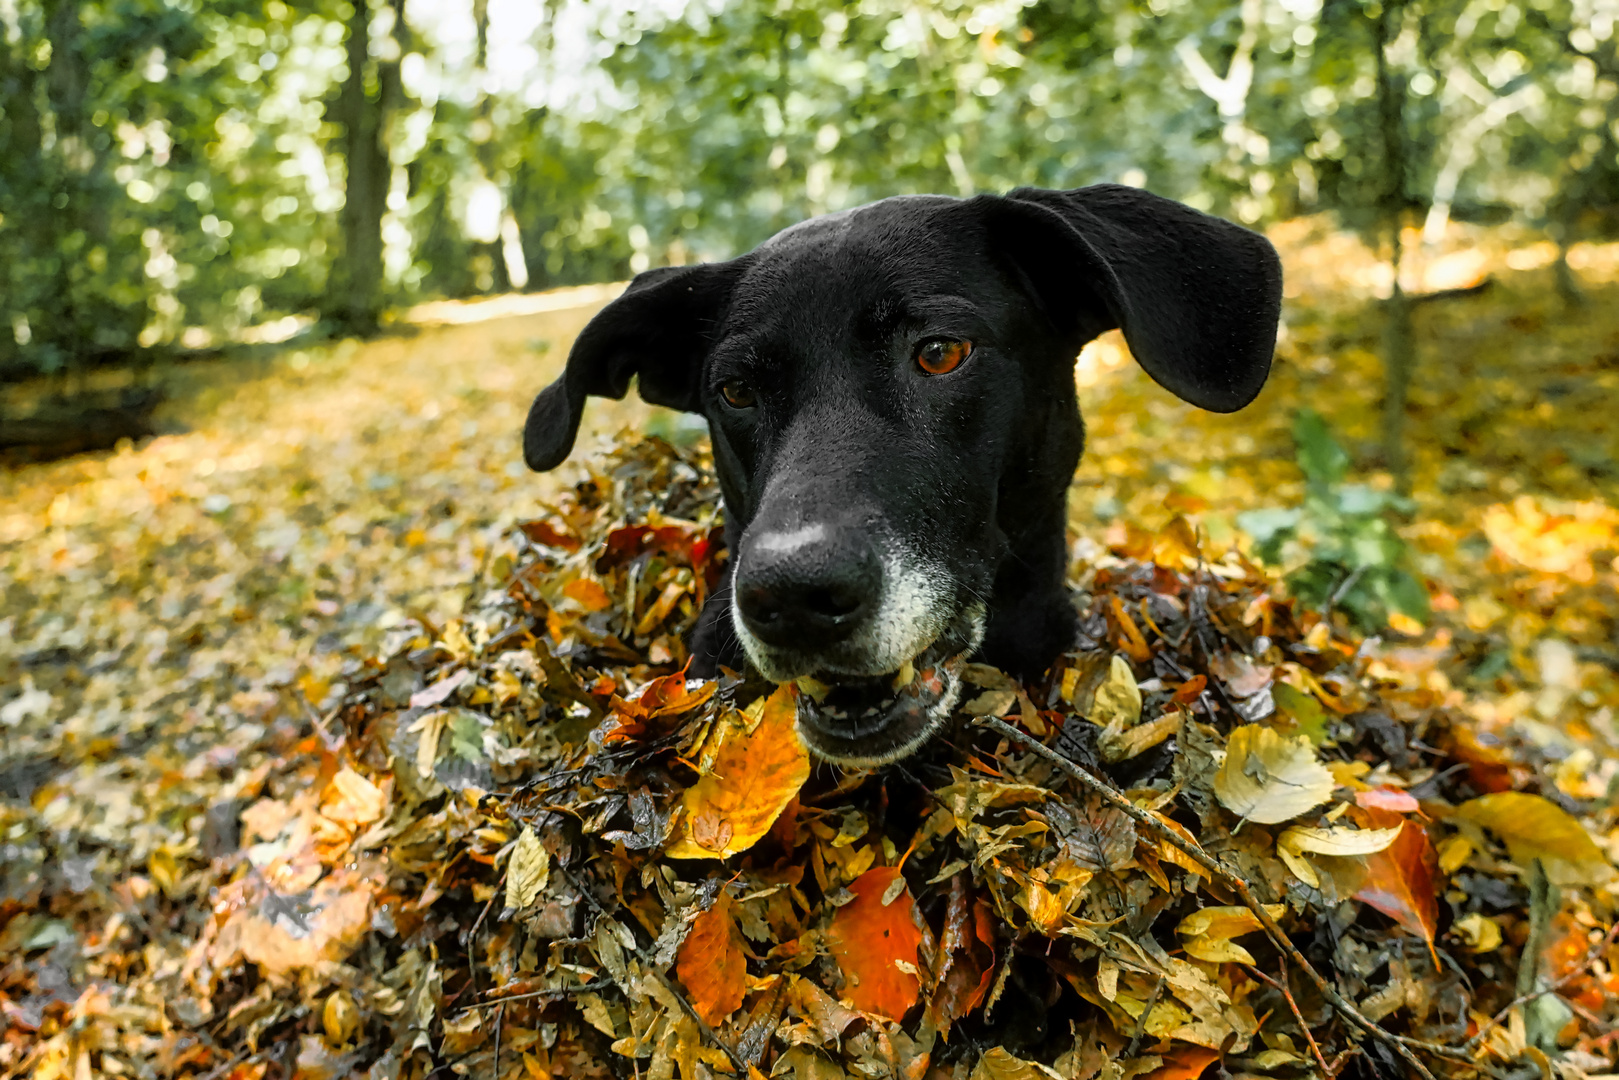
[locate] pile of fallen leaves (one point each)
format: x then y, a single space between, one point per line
1223 834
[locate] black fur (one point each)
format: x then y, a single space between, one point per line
851 453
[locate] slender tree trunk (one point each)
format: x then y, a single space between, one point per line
359 292
486 149
1399 346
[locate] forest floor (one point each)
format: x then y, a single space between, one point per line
174 613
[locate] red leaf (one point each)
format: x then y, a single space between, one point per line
869 940
1401 880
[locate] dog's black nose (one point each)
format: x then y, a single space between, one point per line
807 587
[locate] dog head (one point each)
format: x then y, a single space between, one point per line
891 400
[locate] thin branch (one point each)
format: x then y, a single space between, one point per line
558 991
1197 854
1287 993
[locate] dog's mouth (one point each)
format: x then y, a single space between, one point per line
870 720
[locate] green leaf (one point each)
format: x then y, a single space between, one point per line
1324 461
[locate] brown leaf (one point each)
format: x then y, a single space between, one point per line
875 944
1103 837
753 778
966 958
712 963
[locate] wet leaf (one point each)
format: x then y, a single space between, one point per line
753 778
1268 777
875 945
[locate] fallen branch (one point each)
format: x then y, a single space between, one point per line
1196 853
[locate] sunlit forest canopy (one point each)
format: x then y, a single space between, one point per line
177 173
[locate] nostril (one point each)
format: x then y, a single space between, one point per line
761 605
836 602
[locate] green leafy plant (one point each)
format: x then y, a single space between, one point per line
1339 545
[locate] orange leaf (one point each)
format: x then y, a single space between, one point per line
753 778
1184 1062
1133 644
587 594
870 940
1400 879
712 963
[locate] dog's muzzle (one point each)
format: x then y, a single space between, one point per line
873 636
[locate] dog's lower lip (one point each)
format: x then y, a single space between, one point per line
869 720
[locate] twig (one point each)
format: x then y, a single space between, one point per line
1342 590
1141 1023
1591 957
1196 853
500 1022
707 1032
1287 993
557 991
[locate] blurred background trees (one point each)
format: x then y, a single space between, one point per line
175 172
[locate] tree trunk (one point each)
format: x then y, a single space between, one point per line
359 291
1399 346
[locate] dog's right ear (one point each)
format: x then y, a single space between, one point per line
659 330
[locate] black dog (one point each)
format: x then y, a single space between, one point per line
891 399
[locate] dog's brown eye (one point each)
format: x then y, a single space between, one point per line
738 395
940 357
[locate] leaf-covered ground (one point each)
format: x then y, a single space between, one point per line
294 710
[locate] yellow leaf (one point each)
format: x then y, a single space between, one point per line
1532 828
352 800
1208 932
1478 933
1269 778
528 870
1336 840
997 1064
1117 703
753 777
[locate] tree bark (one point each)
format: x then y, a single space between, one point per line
359 293
1399 346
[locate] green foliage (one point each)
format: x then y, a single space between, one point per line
1340 543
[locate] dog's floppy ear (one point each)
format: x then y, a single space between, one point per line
659 330
1197 297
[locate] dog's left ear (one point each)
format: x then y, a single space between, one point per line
659 331
1198 298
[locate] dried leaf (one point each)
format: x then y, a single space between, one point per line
997 1064
1268 777
870 941
1117 703
1401 880
1533 827
1184 1062
712 963
352 800
753 778
1208 932
1336 840
528 870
